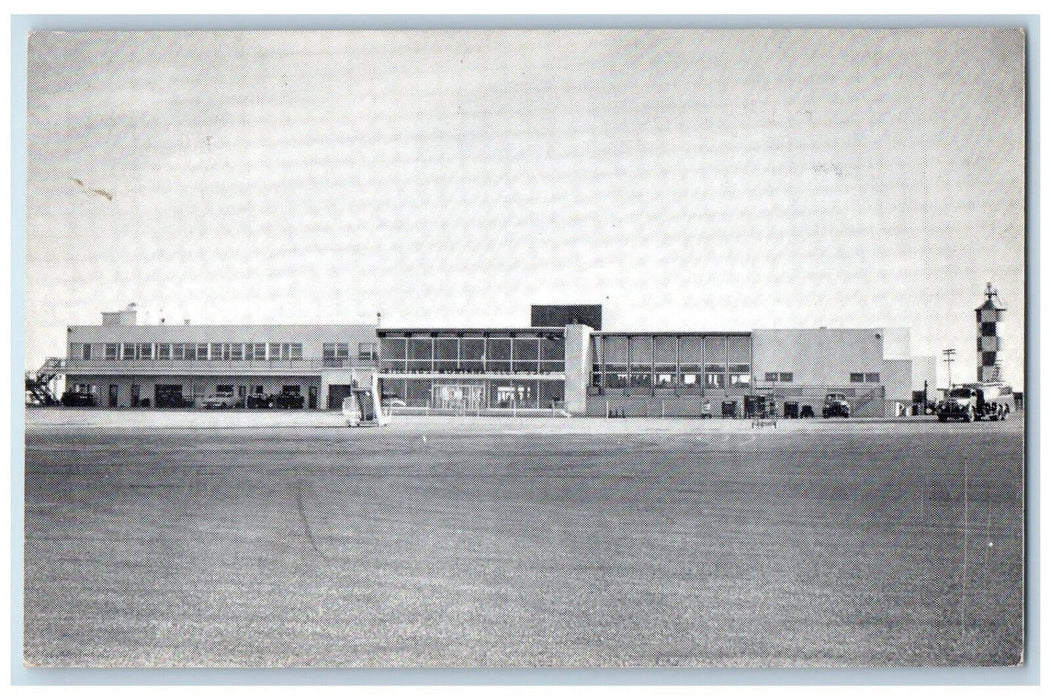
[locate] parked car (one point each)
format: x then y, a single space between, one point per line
835 405
259 400
221 399
289 399
78 398
806 412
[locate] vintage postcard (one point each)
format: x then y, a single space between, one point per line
525 348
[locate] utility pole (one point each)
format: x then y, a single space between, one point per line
948 362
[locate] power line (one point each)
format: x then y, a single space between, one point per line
949 358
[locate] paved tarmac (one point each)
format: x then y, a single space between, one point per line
244 538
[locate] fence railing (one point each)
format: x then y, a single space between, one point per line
310 363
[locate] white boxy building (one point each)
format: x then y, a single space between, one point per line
563 360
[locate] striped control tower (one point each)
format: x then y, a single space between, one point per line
988 315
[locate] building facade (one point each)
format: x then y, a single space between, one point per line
571 367
127 365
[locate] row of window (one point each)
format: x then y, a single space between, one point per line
659 380
338 353
544 349
864 377
192 351
855 377
670 349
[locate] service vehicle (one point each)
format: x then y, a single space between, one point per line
969 403
365 406
836 405
220 399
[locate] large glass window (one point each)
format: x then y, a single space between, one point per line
739 349
421 354
552 354
75 350
145 351
527 354
367 352
202 351
189 351
714 380
498 355
86 354
447 354
664 350
715 350
237 351
616 377
260 351
857 377
691 350
690 381
335 354
393 350
640 379
297 351
552 347
472 350
216 353
872 377
274 351
615 350
421 349
164 351
127 351
111 351
641 351
418 392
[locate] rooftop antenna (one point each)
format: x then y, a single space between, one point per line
379 318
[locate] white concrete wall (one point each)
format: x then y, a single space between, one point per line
578 368
817 356
897 378
897 343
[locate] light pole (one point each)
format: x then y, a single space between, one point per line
949 353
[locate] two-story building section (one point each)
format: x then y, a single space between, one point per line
130 365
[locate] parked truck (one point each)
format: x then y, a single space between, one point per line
968 403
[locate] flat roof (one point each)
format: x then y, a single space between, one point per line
672 333
535 330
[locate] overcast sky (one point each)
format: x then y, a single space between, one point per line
686 180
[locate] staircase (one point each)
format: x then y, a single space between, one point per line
38 384
869 403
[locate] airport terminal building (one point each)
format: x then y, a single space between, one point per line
562 361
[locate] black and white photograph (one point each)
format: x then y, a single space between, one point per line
525 349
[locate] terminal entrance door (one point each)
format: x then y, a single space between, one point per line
336 394
458 397
113 394
312 397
